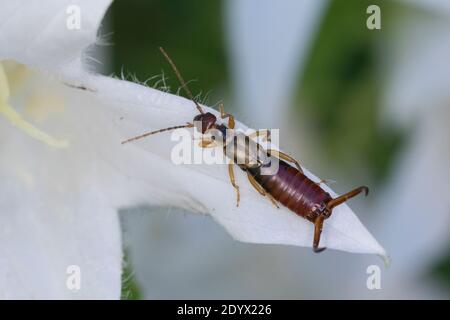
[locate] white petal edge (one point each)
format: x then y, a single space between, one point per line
52 212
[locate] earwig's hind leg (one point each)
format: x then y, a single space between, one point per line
261 190
318 224
224 115
260 133
233 182
284 156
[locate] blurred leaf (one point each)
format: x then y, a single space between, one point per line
341 91
441 271
190 31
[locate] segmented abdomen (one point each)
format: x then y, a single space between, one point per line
293 189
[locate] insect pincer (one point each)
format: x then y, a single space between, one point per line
366 191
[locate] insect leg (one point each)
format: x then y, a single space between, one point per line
261 190
224 115
233 182
318 224
204 143
284 156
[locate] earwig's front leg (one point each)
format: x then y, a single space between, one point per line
204 143
261 190
233 182
211 144
224 115
284 156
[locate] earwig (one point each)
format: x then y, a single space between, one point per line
288 186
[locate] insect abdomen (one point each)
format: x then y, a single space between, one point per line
293 189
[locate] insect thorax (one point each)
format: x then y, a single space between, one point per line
244 151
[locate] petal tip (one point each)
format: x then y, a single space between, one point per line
386 259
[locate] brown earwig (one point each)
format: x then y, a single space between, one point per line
306 198
288 186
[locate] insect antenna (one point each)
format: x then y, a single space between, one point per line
189 125
180 78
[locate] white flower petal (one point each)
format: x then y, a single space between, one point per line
207 188
36 34
52 211
94 174
46 230
49 219
150 177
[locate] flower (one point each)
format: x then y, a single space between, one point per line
64 173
